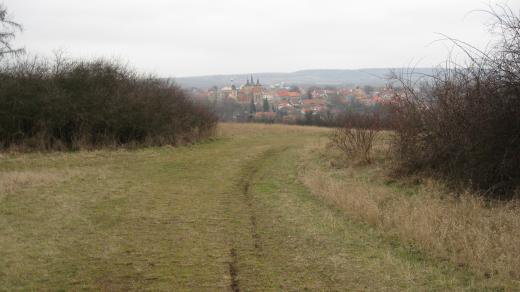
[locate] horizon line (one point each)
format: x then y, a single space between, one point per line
302 70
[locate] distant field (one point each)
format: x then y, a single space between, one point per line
245 211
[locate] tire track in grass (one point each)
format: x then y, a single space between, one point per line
233 272
252 214
245 185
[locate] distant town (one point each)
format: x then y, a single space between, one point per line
251 100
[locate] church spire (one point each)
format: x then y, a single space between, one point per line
252 80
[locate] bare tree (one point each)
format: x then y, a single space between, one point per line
8 30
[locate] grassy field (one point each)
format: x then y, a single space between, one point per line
235 213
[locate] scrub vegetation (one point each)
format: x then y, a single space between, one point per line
69 105
461 227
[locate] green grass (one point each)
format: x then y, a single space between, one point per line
226 214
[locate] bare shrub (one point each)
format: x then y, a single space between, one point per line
356 138
464 124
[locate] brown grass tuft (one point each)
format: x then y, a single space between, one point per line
15 181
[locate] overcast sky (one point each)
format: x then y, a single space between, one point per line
199 37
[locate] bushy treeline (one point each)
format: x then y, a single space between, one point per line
464 124
67 104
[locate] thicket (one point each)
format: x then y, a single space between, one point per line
464 123
68 104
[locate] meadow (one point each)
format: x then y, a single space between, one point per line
258 207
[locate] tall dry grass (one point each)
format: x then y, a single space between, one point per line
464 229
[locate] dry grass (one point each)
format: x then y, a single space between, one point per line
167 218
230 130
466 230
18 180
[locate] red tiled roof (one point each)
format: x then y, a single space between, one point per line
282 93
286 93
314 102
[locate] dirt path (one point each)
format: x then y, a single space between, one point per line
299 243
